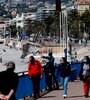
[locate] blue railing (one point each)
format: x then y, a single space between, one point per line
25 85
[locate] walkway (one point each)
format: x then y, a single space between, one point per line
75 89
75 92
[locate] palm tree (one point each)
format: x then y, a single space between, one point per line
46 27
73 23
51 24
27 28
55 24
12 29
85 18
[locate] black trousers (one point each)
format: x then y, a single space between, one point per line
48 80
36 85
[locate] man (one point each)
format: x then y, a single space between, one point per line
49 71
35 71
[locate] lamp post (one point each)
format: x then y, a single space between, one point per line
58 10
63 26
65 32
10 30
58 5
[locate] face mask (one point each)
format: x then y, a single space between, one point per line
61 61
32 61
85 60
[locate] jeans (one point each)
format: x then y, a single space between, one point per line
65 83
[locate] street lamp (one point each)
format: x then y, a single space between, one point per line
58 10
58 5
10 31
63 25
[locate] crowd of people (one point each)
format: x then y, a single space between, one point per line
9 79
64 70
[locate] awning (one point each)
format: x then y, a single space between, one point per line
23 34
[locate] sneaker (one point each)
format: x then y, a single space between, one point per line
64 96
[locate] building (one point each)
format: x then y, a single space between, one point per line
82 5
45 12
8 1
19 20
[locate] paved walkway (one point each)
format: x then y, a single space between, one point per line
75 89
75 92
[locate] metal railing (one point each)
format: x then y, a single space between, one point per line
25 85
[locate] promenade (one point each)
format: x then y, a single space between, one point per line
75 89
75 92
12 55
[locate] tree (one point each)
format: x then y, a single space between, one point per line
27 28
55 24
85 18
48 22
2 11
13 30
47 27
73 23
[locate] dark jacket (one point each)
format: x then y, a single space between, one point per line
8 81
65 70
49 67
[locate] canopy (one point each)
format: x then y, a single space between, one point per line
23 34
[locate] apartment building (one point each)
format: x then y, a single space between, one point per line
82 5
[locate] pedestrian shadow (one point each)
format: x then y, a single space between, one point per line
75 96
48 96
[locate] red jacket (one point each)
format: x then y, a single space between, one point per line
35 69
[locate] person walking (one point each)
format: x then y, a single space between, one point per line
50 71
8 82
85 75
64 71
35 71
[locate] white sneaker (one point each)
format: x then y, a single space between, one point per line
64 96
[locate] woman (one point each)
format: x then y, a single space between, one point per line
65 71
85 75
8 82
